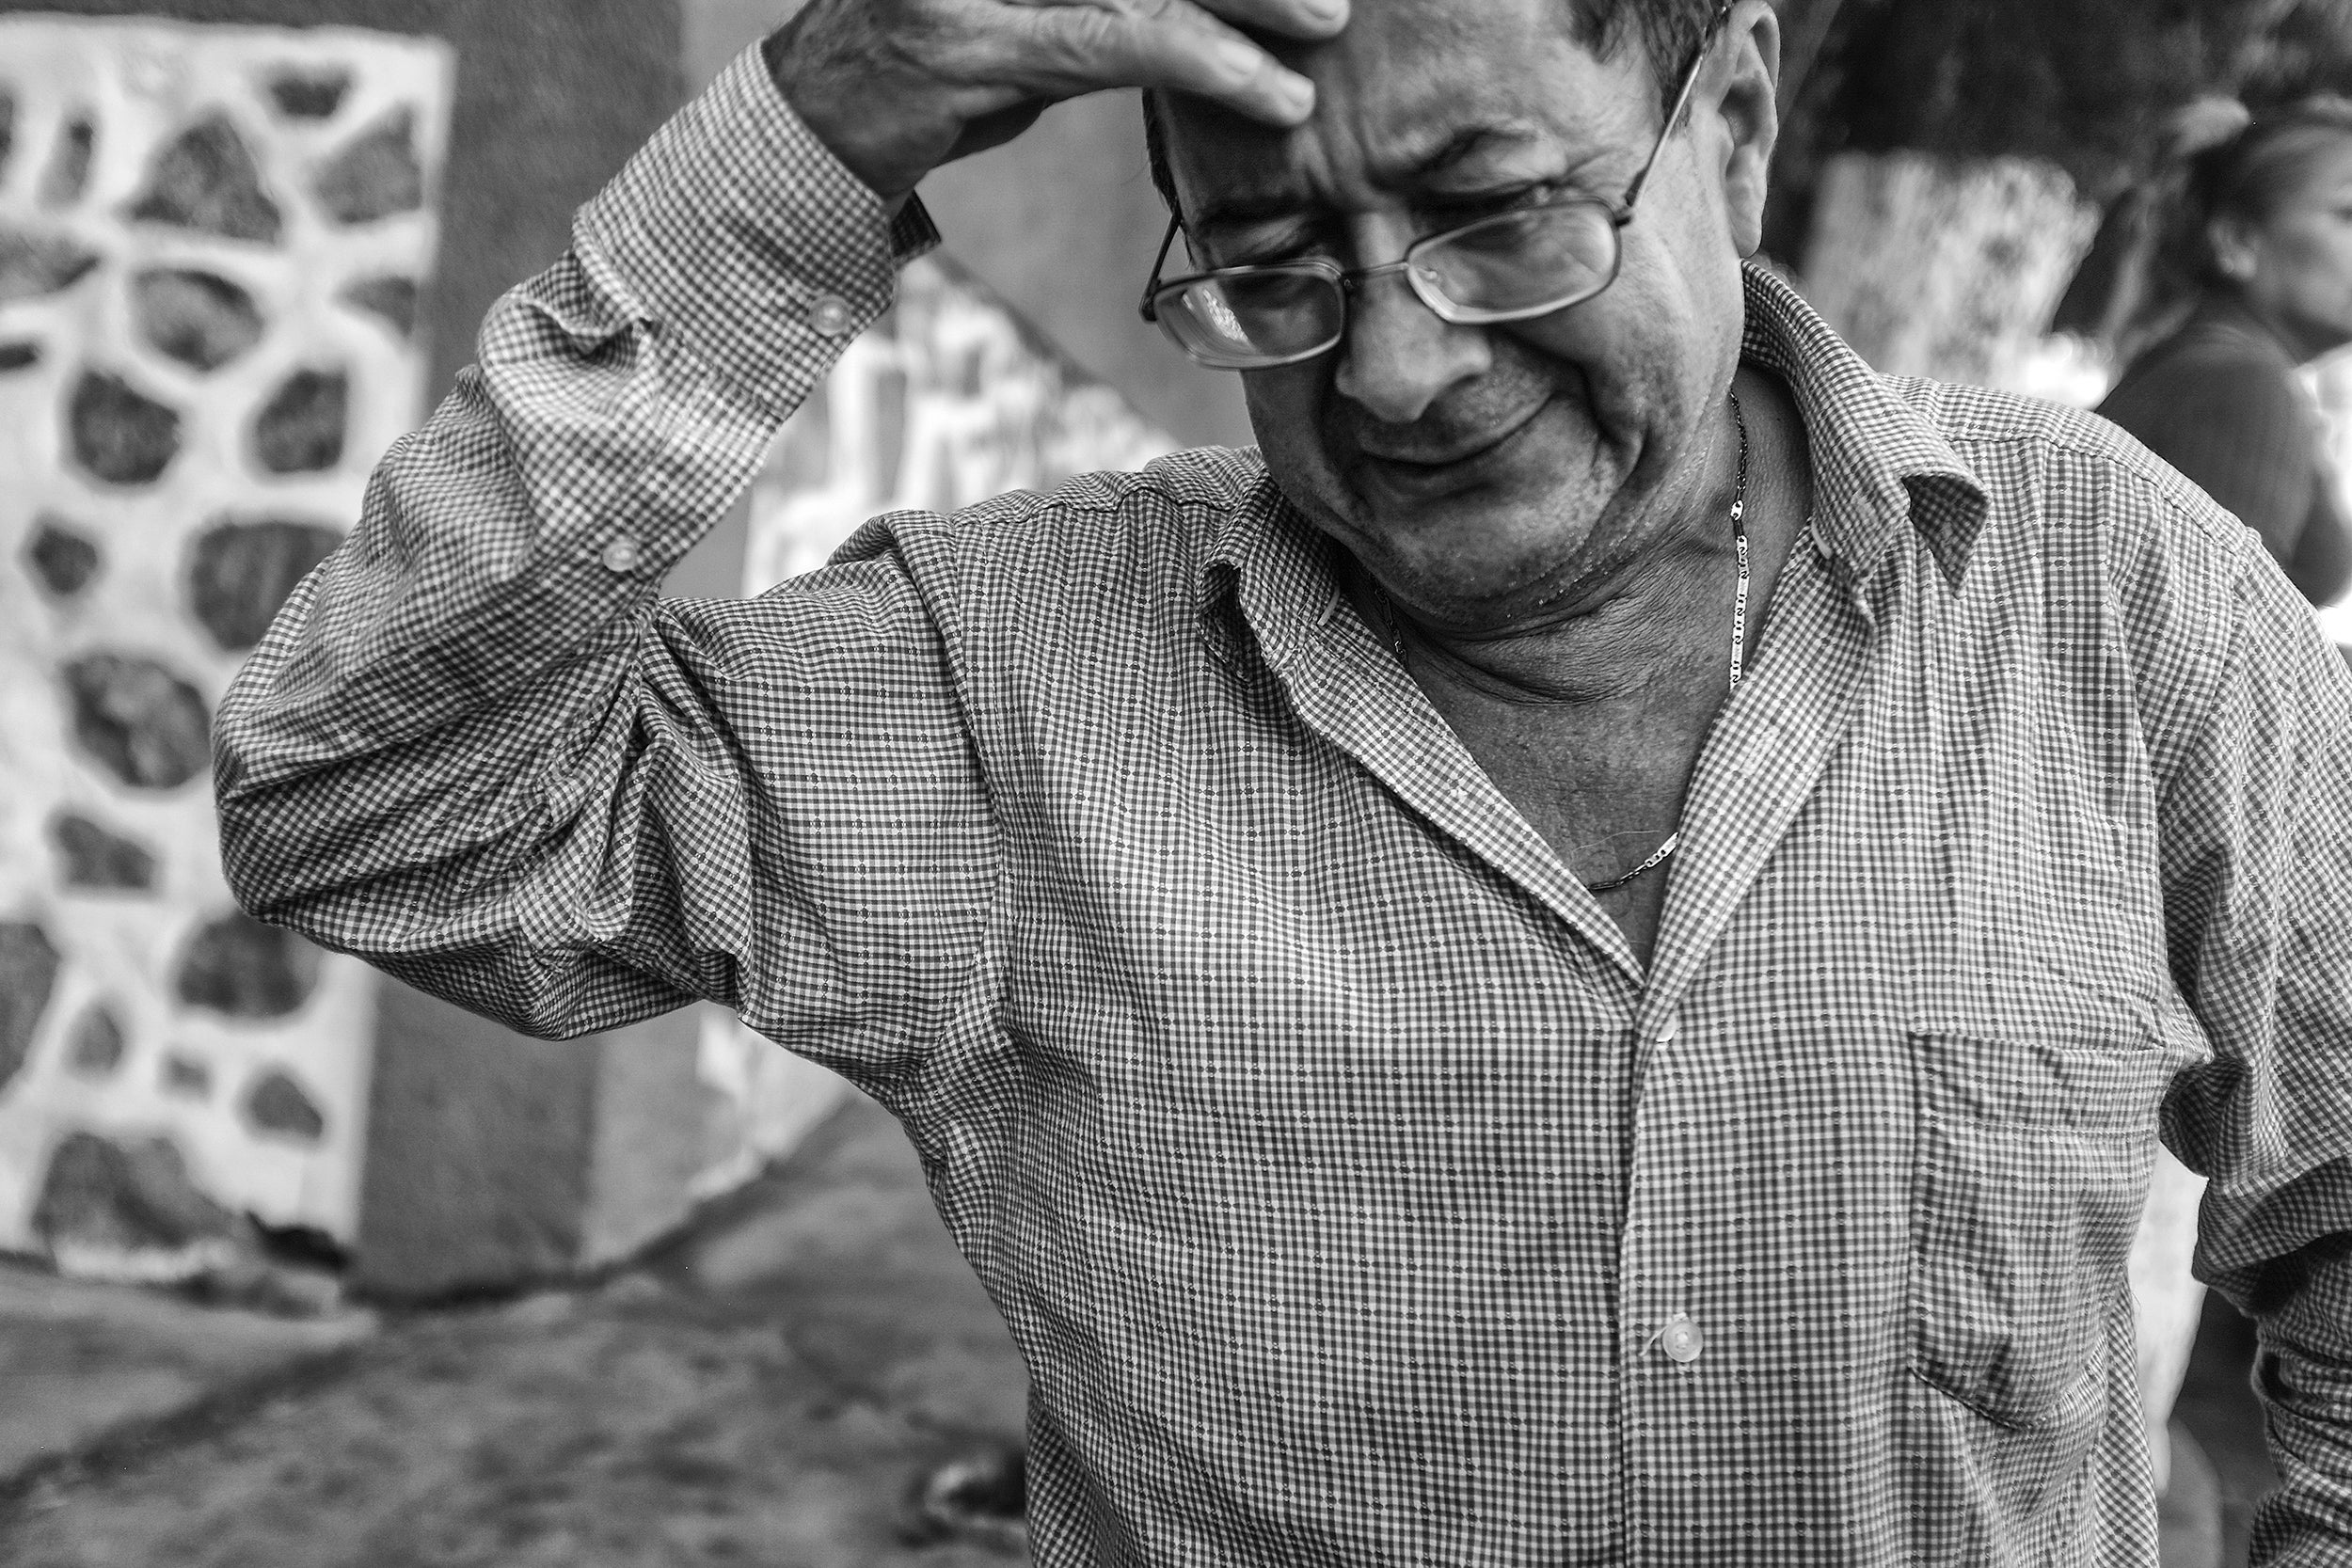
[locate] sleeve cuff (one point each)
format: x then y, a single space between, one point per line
737 235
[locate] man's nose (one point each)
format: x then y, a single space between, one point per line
1400 356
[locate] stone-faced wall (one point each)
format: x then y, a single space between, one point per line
212 240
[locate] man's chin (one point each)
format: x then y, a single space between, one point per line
1481 544
1479 574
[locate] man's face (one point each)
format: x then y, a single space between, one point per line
1485 474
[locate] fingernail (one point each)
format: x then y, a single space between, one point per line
1240 60
1326 10
1297 92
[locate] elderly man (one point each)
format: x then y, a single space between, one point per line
1577 960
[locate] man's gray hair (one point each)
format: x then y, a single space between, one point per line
1669 31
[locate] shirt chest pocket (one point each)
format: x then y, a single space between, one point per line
2031 1165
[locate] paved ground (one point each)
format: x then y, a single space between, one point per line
764 1396
80 1361
765 1392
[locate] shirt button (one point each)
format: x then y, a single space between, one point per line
621 555
1682 1339
829 315
1671 1032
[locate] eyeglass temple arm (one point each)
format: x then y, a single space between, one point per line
1674 116
1168 241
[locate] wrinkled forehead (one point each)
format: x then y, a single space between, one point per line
1416 91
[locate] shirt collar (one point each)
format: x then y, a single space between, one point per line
1879 464
1268 569
1879 461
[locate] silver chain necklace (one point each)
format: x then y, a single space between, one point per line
1739 634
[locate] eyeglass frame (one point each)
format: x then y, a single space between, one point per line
1351 279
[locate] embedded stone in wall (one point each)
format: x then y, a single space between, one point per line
395 299
236 965
68 174
376 174
36 264
198 318
187 1077
27 974
127 1195
147 726
207 180
19 356
240 572
119 435
278 1104
306 94
300 429
28 968
97 1046
61 559
96 859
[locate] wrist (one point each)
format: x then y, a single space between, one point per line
834 96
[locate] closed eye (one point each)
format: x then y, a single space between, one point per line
1266 250
1452 211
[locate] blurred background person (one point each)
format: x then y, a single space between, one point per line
2251 280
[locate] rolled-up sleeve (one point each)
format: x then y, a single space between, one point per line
2257 818
477 750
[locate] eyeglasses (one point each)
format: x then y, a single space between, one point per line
1525 262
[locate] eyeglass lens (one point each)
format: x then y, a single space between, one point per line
1516 264
1256 316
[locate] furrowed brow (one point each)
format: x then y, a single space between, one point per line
1403 168
1249 207
1467 142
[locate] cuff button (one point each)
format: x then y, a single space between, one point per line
829 314
621 555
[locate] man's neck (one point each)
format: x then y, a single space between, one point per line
1615 644
1621 627
1658 623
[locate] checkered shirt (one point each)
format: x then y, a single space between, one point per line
1353 1193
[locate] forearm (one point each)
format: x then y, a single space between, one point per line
450 700
2304 1375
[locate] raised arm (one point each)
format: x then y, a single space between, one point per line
477 750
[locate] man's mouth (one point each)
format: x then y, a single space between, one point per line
1416 463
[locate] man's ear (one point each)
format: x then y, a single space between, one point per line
1743 84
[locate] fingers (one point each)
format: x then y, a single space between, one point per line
1181 47
1298 18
